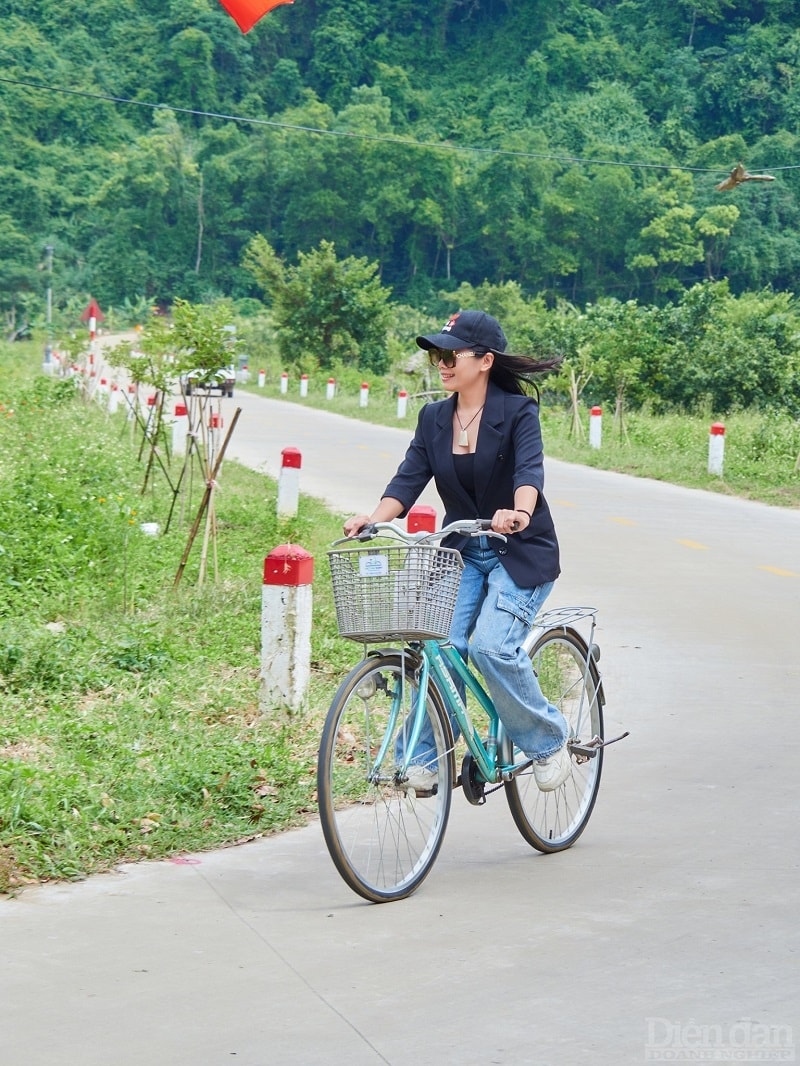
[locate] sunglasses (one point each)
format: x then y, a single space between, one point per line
439 355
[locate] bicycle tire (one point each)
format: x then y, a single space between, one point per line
382 836
553 821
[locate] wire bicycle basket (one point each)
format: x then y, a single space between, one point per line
399 592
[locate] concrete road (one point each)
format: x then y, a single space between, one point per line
668 933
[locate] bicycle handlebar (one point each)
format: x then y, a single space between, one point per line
470 527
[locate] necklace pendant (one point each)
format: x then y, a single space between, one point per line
463 439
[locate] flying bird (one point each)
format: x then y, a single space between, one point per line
246 13
737 176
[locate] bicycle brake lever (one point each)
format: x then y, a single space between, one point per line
365 533
485 530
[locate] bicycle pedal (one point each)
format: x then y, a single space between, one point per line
591 747
422 793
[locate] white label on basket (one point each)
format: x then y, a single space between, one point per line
373 565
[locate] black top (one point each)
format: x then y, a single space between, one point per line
465 472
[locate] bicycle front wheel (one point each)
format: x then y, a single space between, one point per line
382 833
569 678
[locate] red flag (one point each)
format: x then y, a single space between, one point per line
246 13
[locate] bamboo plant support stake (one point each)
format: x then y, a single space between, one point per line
190 457
205 500
210 532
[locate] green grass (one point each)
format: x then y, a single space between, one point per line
760 462
131 724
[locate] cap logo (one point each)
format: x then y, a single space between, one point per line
451 324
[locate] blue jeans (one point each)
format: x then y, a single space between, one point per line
492 617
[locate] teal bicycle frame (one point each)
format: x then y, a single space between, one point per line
438 660
441 661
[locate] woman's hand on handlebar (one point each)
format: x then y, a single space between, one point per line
387 510
354 525
506 521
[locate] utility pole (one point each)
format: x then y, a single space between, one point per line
48 348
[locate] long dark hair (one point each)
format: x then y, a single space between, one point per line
515 373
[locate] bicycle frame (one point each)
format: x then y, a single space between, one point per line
442 660
438 660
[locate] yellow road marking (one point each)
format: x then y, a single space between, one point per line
565 503
623 521
778 571
694 544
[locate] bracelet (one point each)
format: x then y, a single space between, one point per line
518 510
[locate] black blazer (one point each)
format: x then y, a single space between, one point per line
508 454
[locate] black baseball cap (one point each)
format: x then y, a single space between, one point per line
467 329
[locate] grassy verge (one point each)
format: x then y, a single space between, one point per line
130 723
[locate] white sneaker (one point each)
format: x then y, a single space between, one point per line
552 772
422 779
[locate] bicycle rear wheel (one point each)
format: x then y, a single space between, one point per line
570 679
382 835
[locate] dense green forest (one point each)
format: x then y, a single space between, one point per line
572 146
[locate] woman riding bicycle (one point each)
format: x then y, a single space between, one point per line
483 448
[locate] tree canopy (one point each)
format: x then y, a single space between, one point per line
571 146
333 310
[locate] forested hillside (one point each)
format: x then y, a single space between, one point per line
572 146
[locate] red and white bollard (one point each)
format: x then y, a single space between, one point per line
180 428
330 390
421 518
286 612
595 427
262 377
92 334
284 383
289 483
133 401
304 384
363 398
402 403
716 449
113 399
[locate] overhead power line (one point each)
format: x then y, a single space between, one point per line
554 157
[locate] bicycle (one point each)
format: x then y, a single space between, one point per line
382 834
